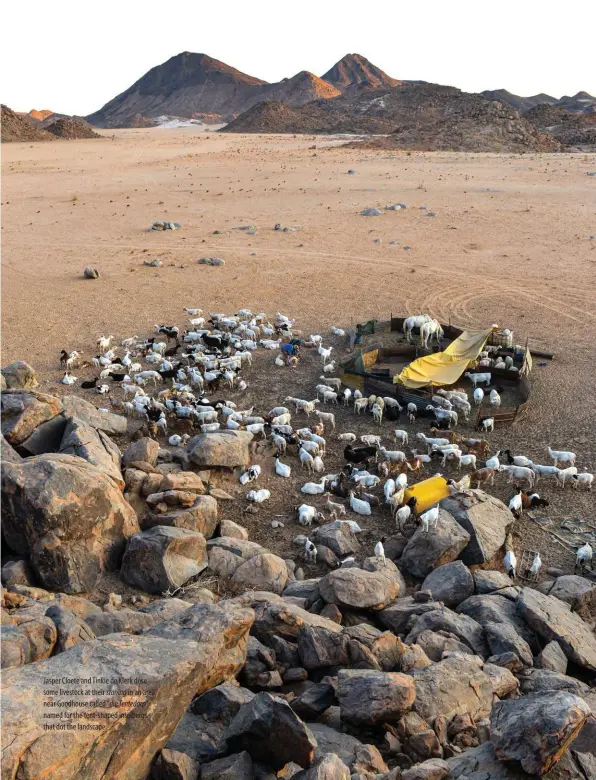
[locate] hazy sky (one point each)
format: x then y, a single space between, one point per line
73 57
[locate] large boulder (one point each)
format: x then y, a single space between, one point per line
280 619
488 580
435 643
193 660
481 763
426 551
463 627
537 729
47 437
199 732
327 767
331 741
23 411
39 630
538 680
229 449
397 616
8 454
271 732
451 583
201 516
318 647
94 446
163 558
143 450
337 537
553 620
485 518
496 608
503 638
369 697
70 519
359 589
183 480
14 645
570 588
455 686
79 408
235 767
19 376
264 571
553 658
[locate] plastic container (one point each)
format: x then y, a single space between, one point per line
428 492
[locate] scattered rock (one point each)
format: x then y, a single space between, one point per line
155 263
436 643
368 697
397 616
425 552
463 627
165 226
81 409
314 700
487 581
201 517
173 765
163 558
144 450
91 273
496 608
318 647
536 729
451 583
371 213
570 587
359 589
285 621
228 449
216 261
264 571
232 529
236 767
338 538
503 638
433 769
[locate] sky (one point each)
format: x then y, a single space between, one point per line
72 57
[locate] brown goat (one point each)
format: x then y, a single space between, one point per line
483 475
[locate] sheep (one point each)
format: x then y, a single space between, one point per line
478 447
321 389
282 419
306 459
153 376
560 456
377 413
484 475
277 410
467 460
478 396
308 407
519 473
162 424
325 353
103 343
256 428
392 402
412 409
452 436
403 512
443 414
430 517
486 424
372 441
280 443
210 427
334 508
360 404
439 400
439 442
334 382
307 514
566 474
396 456
478 379
585 479
350 437
329 368
462 406
330 396
326 417
400 436
494 399
347 395
310 446
544 471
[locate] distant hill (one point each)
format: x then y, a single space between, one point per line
184 85
582 102
72 128
412 116
355 71
191 85
40 115
19 128
569 127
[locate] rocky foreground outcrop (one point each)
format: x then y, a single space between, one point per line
359 673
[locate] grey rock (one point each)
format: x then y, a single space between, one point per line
228 449
330 740
144 450
553 620
436 643
15 647
463 627
91 273
201 516
47 437
488 581
236 767
271 732
539 680
71 629
215 261
358 589
433 769
570 587
451 583
485 518
371 213
19 376
318 647
125 621
263 571
314 701
368 697
504 683
93 446
496 608
454 686
553 658
536 729
173 765
155 263
23 411
503 638
397 616
285 621
427 551
163 558
7 452
339 539
232 529
16 573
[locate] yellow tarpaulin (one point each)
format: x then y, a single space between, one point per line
444 368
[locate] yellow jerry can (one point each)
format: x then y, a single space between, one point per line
428 492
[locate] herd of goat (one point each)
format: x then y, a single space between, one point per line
204 360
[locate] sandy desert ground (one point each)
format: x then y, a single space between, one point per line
510 243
